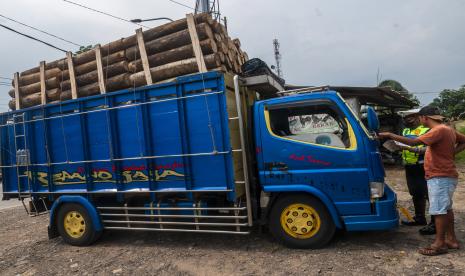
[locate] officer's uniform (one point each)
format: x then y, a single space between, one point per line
415 173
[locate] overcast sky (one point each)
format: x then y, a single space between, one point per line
418 42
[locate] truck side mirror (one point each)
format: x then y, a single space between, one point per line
372 119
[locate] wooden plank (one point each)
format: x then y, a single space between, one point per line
43 87
101 77
17 97
72 75
195 43
143 56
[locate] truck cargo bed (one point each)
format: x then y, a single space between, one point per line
171 137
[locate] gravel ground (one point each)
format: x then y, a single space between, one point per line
25 250
8 203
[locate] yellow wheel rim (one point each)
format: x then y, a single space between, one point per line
300 221
75 225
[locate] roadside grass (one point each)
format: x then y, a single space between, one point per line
460 158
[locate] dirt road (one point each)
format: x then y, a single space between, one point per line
4 204
25 249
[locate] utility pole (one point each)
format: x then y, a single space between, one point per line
277 57
209 6
203 6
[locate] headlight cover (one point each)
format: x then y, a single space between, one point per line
377 189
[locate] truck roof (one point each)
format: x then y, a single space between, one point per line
303 94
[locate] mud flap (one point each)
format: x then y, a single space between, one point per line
52 232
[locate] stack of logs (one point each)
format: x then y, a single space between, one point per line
190 45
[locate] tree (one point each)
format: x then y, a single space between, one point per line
83 49
396 86
451 102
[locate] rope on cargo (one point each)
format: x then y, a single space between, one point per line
45 136
210 126
137 112
118 107
64 136
7 148
61 112
123 159
110 143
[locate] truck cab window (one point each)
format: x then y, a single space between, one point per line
315 124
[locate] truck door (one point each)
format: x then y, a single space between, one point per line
314 142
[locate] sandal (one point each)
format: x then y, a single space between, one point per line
457 247
432 251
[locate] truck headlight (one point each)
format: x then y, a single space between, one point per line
377 189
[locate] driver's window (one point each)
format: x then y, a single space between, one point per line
311 123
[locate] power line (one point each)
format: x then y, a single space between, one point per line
424 92
104 13
181 4
418 92
33 38
34 28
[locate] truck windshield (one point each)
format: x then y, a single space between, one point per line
319 124
367 132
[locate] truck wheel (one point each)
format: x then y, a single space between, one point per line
301 221
75 225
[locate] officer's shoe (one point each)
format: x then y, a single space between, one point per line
429 229
417 221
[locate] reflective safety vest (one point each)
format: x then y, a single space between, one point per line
412 157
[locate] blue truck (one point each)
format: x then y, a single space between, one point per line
198 154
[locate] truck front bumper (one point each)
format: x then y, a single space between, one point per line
385 215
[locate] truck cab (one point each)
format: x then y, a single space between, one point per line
319 169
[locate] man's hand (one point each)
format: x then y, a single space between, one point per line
398 138
411 149
384 135
459 148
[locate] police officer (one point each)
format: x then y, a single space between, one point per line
413 162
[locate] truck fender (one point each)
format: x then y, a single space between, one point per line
312 191
52 231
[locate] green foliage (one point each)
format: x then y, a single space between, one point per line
460 158
397 86
451 102
83 49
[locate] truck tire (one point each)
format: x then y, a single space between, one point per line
75 225
301 221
